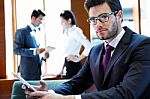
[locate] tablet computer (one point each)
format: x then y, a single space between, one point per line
24 82
49 48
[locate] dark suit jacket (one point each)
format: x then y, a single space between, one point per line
127 75
30 65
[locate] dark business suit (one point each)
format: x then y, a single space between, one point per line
127 75
30 65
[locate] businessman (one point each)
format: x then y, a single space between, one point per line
27 45
119 68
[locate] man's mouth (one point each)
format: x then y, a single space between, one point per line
101 31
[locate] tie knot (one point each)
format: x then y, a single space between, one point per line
108 47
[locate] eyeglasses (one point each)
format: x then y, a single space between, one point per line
104 17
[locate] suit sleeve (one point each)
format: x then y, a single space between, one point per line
19 45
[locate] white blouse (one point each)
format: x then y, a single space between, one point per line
73 41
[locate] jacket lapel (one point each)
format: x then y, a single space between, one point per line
32 36
98 70
121 47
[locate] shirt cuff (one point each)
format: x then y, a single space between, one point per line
78 97
34 50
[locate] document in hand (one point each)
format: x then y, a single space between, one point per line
24 82
49 48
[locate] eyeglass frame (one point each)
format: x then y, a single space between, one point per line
101 18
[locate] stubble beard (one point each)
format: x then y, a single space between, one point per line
111 33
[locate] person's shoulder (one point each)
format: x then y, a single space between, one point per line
27 28
79 29
75 28
140 36
23 31
97 47
76 32
95 50
140 40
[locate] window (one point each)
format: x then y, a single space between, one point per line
9 38
145 17
53 32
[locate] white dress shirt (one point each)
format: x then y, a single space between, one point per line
36 33
73 40
116 40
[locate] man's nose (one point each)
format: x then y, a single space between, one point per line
99 23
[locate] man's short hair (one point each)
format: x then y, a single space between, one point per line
37 13
113 4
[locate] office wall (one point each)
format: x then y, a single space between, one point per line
5 88
77 6
2 42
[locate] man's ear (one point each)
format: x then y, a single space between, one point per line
33 18
120 15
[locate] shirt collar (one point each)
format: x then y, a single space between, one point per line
116 40
68 30
71 28
33 27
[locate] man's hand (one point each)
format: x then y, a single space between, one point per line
49 95
43 87
46 55
43 93
40 50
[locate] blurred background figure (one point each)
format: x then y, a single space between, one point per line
73 41
27 44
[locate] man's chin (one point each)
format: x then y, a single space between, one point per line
101 37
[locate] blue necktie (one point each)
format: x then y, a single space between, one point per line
106 56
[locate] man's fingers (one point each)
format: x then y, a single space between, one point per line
32 97
38 94
24 86
43 83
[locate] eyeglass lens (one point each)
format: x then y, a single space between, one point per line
102 18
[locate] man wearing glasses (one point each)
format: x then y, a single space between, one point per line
119 68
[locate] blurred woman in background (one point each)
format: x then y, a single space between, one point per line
73 41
